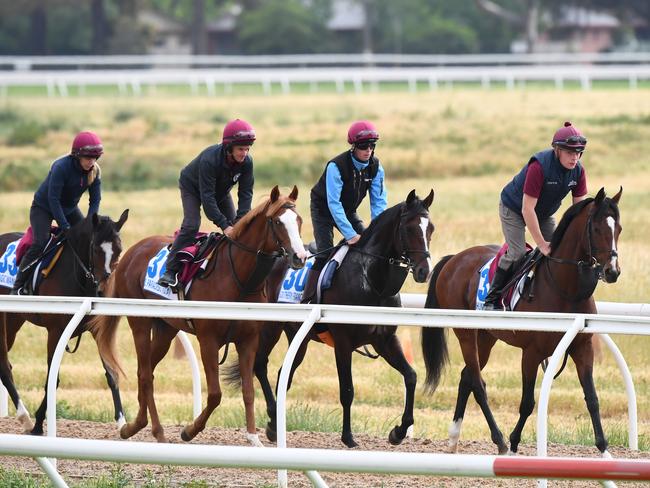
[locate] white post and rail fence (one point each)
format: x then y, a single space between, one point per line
612 318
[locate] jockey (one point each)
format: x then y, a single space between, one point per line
343 186
58 197
533 196
206 182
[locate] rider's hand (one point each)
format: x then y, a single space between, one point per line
545 248
228 231
354 240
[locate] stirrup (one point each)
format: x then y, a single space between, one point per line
167 281
493 305
18 291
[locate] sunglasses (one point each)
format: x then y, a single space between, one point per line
575 140
365 145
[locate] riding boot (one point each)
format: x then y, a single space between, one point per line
170 276
493 299
18 288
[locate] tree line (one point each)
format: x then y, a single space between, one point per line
42 27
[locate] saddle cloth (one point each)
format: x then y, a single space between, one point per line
194 260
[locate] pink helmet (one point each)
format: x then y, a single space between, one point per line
238 132
362 131
570 138
87 144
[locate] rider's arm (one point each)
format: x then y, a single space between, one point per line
245 190
532 190
334 185
378 198
579 192
95 194
54 191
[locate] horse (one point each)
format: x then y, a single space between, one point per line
267 232
583 250
395 242
89 254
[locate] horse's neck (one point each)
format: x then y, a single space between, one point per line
382 243
255 236
573 248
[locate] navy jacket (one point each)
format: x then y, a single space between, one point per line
558 182
61 191
210 178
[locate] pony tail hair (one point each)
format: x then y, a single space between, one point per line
94 174
104 330
434 339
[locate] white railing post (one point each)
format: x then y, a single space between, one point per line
4 401
283 381
194 366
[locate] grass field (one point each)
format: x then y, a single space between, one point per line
465 144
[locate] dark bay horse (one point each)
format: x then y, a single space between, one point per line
269 231
89 255
396 242
584 250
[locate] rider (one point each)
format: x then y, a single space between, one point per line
343 186
533 196
58 197
206 182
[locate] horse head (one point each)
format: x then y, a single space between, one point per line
604 229
415 229
97 246
285 224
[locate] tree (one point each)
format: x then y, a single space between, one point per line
281 27
524 17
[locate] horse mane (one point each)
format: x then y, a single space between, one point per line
264 207
382 219
572 212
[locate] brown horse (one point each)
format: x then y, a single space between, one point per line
395 243
269 231
584 250
90 253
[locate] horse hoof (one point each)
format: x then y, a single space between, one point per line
36 431
186 436
394 437
503 450
271 434
124 432
349 442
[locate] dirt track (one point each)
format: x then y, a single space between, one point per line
74 470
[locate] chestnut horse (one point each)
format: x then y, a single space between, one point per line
90 253
584 250
269 231
396 242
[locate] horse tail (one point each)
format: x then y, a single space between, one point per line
104 330
231 374
434 339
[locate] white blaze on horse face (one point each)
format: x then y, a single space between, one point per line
424 225
108 252
290 221
612 225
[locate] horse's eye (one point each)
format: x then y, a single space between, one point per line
278 222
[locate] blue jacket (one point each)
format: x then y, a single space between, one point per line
61 191
558 182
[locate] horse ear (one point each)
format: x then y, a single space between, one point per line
294 193
428 200
600 196
411 196
123 217
617 197
275 193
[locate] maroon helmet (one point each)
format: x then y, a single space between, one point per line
87 144
362 131
238 133
570 138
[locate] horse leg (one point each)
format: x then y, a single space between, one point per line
141 331
346 390
161 340
529 365
7 379
53 336
209 346
391 350
269 336
246 350
300 356
583 357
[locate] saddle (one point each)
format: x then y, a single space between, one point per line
193 258
39 269
523 267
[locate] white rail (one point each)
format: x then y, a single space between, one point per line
308 315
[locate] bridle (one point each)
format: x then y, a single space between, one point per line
589 270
